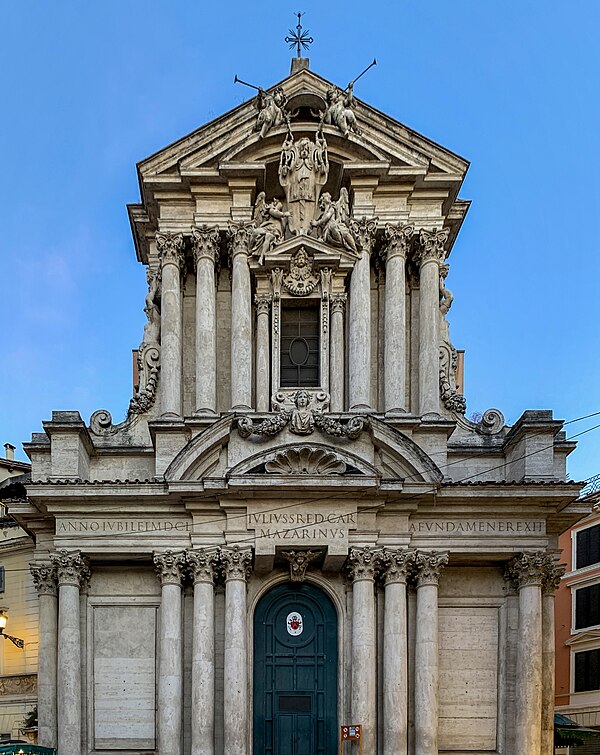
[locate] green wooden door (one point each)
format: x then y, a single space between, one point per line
295 672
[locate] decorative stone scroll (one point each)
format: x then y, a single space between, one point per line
235 563
452 399
170 249
305 460
170 567
44 578
21 684
428 567
72 568
299 562
301 279
202 565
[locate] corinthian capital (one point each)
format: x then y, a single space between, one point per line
398 239
170 248
202 564
239 236
170 567
338 302
428 567
205 243
364 231
363 563
553 574
433 245
528 569
397 564
263 302
71 568
44 578
236 563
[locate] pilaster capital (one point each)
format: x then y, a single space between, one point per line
262 302
363 563
202 565
364 231
239 235
528 569
71 568
338 302
398 239
397 564
44 578
205 243
428 567
170 567
433 245
552 576
170 249
236 563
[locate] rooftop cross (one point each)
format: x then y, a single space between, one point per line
300 38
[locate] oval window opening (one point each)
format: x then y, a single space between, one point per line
299 351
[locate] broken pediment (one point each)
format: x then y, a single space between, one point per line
319 255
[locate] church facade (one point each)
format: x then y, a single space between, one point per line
296 528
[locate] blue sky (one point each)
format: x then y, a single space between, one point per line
89 89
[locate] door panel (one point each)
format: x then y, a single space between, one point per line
295 672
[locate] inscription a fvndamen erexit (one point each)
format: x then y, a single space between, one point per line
478 527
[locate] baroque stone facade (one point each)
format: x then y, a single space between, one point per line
296 527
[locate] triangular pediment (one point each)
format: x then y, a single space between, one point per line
323 255
231 138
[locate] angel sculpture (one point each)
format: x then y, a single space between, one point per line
270 221
339 110
332 224
271 110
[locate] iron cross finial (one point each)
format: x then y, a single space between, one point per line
299 38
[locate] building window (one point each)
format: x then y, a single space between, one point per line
300 347
587 670
587 546
587 606
1 578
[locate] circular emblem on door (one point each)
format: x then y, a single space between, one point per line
294 623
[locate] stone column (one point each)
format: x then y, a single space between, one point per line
363 563
202 567
336 362
170 568
432 253
236 566
72 570
359 355
241 316
170 249
205 242
428 569
526 572
44 579
552 576
398 238
263 303
397 564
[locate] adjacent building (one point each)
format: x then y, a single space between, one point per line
296 528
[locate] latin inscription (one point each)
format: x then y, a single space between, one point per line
478 527
120 526
301 526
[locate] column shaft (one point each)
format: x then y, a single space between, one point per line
241 332
206 336
548 671
47 663
336 362
426 671
170 671
203 671
170 248
69 671
529 669
395 334
359 377
263 356
429 346
235 669
395 670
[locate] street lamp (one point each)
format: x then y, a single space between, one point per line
15 640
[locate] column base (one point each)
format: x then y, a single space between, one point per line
204 413
241 408
358 408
